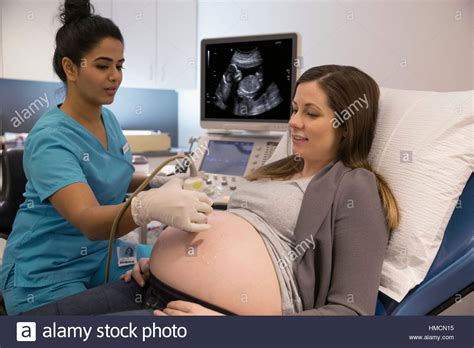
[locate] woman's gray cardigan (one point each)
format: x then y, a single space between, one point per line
343 213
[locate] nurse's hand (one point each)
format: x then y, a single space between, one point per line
173 206
160 180
140 272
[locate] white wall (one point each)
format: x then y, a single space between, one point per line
1 45
406 44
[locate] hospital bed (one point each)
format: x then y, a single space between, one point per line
449 279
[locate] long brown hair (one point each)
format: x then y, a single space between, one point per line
343 85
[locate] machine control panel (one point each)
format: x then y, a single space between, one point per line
227 159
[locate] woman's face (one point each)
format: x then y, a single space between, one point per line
100 72
313 136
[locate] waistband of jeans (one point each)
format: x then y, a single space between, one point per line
159 287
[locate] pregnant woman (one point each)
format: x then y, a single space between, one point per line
305 235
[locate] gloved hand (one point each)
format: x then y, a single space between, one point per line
161 179
172 206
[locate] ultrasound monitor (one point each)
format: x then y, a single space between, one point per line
247 82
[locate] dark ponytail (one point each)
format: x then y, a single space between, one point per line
75 10
82 30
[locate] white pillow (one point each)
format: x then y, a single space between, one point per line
438 129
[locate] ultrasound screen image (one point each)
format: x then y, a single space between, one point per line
249 80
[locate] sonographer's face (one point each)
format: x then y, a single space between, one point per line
100 73
312 133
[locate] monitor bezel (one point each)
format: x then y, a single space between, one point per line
233 124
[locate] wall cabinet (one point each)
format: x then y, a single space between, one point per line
160 40
28 30
177 46
137 22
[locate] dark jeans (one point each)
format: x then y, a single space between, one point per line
120 298
109 298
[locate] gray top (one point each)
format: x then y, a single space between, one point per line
272 207
342 212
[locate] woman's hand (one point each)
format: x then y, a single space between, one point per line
140 272
185 308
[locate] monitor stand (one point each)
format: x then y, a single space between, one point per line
245 134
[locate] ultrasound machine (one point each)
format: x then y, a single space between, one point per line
246 91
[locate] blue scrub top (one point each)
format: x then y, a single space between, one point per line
43 247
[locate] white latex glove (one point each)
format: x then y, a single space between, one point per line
161 179
172 206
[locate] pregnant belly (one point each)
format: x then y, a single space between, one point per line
227 265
